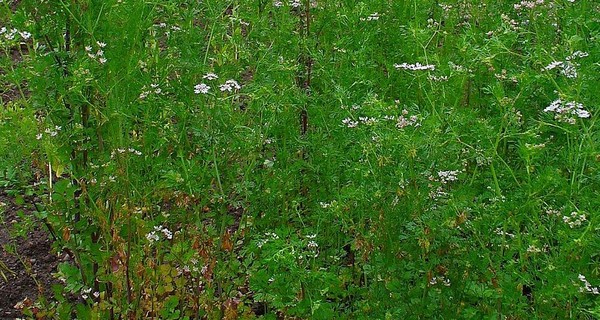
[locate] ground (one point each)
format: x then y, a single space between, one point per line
27 261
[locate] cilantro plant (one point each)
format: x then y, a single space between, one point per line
310 159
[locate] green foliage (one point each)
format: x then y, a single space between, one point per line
449 167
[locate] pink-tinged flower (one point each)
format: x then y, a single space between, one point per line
567 111
201 88
230 85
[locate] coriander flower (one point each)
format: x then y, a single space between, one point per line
414 67
152 236
552 65
201 88
448 176
567 111
587 287
230 85
568 68
210 76
25 35
372 17
350 123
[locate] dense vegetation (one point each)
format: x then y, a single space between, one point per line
309 159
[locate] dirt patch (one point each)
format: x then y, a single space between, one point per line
27 262
10 91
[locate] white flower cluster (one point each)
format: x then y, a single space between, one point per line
567 111
577 54
12 33
414 67
458 67
435 78
230 85
203 88
443 177
268 236
441 279
501 232
568 68
348 122
53 132
354 107
553 65
99 55
86 291
154 88
405 121
154 235
533 249
123 150
268 163
326 205
294 3
448 176
527 4
552 212
445 7
401 122
164 25
587 287
438 193
368 120
186 268
313 247
372 17
575 219
210 76
168 29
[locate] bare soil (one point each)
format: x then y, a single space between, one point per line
29 259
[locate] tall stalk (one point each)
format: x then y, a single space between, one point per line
303 81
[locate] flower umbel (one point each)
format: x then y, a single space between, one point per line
201 88
567 111
414 67
230 85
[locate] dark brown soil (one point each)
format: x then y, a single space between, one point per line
10 91
29 258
